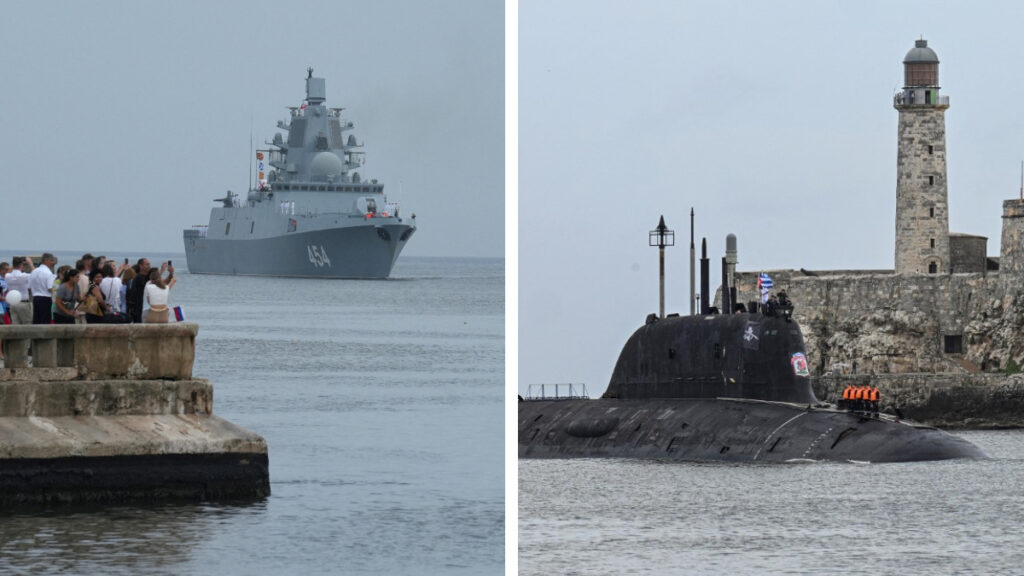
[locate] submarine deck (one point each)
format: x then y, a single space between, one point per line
726 429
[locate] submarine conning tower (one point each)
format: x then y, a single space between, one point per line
745 355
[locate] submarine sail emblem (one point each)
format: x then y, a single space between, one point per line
799 362
750 338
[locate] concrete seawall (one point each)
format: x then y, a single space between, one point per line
111 413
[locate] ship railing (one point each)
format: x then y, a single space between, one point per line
902 98
558 391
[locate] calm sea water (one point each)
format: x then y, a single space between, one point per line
382 406
648 517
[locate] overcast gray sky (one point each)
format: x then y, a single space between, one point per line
122 121
774 121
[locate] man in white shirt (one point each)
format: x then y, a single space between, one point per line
40 285
17 279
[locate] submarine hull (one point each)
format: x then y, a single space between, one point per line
725 429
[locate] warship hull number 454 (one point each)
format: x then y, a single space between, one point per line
310 213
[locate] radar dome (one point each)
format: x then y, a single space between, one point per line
326 164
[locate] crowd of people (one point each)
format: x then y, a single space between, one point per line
93 291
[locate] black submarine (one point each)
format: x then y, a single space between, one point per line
721 387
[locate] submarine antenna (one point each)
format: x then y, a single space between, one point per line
693 257
661 237
705 270
726 302
730 260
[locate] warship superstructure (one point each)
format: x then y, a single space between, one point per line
310 213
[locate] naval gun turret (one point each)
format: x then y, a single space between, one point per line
228 200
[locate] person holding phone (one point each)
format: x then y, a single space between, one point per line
157 293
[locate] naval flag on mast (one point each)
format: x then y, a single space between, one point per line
261 170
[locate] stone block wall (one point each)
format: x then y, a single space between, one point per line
899 323
968 254
1011 256
922 212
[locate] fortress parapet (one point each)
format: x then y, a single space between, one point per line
111 413
1011 258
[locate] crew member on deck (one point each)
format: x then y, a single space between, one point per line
784 299
847 397
859 398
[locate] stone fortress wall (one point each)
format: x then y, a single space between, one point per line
951 323
942 347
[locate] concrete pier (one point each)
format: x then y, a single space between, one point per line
111 413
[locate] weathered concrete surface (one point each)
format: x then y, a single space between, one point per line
112 414
23 398
102 351
38 437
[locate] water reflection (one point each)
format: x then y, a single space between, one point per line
126 539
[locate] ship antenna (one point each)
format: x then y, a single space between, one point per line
1022 179
692 258
250 151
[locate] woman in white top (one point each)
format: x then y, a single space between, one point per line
157 292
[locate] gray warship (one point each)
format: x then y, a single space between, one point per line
310 214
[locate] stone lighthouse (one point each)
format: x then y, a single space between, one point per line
922 215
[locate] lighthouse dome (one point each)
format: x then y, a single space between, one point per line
921 53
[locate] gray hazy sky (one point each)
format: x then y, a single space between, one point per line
122 121
774 121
